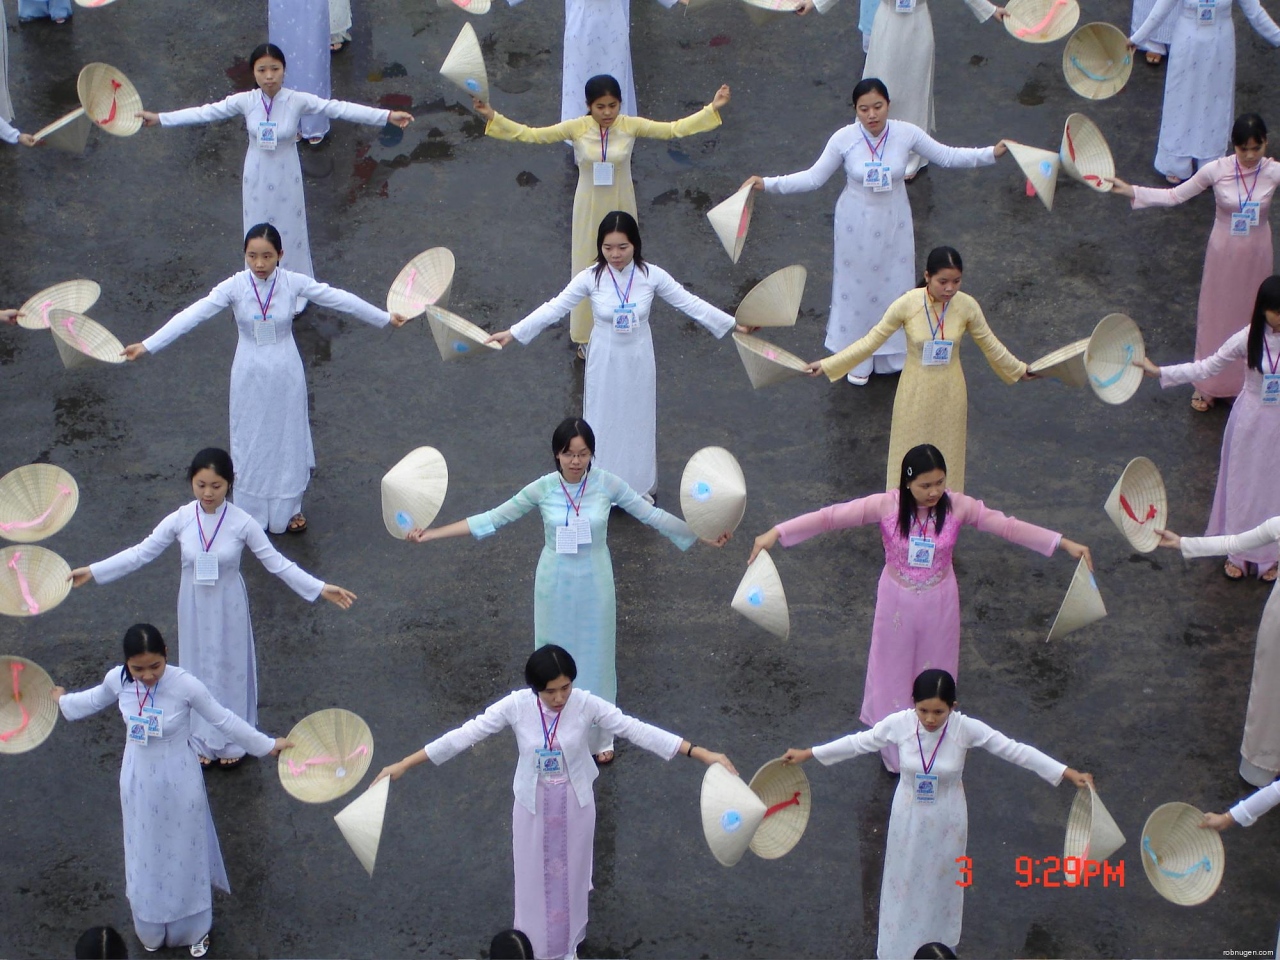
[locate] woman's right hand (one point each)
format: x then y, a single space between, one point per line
1077 551
395 771
814 369
721 98
719 541
1218 821
133 351
149 118
1148 367
755 183
1169 539
57 693
1120 187
766 541
501 338
420 535
80 576
9 316
482 108
282 743
797 756
805 7
338 596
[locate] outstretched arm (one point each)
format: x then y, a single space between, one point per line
219 299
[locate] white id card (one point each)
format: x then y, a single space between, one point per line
1240 225
1206 11
206 568
872 171
920 552
137 727
582 528
267 134
550 766
155 721
937 353
566 539
602 174
264 331
886 180
926 787
624 318
1271 389
904 6
1250 209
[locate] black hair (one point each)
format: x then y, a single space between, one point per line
101 943
215 459
571 427
618 221
918 460
602 85
547 663
1268 299
934 683
1248 126
138 639
935 951
940 258
870 85
267 232
266 50
511 944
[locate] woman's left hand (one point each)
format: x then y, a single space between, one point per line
1077 551
739 328
721 99
501 338
8 316
719 541
337 595
1000 14
1217 821
1169 539
1081 780
400 118
27 140
814 369
399 319
709 757
282 743
1028 375
57 693
1000 149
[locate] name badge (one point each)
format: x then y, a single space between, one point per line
1271 389
1206 11
267 134
155 721
582 528
926 787
137 727
876 176
937 353
624 318
904 6
920 552
566 539
550 766
1240 224
206 568
1250 209
602 174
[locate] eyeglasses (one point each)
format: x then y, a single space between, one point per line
566 455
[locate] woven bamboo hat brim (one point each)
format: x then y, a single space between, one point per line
94 3
784 790
465 64
775 300
1080 607
1115 345
730 220
110 101
74 295
761 599
1096 61
1065 364
82 342
33 580
69 133
332 750
763 11
731 813
36 501
1085 154
1138 505
1183 860
478 7
413 490
1040 168
456 338
361 823
713 493
425 280
1041 21
1091 832
27 712
766 364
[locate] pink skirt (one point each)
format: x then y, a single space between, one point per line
1246 495
1234 267
553 850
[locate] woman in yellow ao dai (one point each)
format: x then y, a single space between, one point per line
932 402
602 142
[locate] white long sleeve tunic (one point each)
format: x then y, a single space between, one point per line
1248 810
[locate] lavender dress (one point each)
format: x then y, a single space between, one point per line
300 28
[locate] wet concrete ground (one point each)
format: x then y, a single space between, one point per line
1151 699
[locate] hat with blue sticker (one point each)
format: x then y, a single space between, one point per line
713 493
731 814
465 64
456 338
761 599
413 490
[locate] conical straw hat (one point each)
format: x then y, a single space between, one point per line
1041 21
762 11
1040 168
413 490
1114 346
1096 61
1085 154
775 300
82 342
458 339
36 501
1138 505
1080 607
32 580
27 711
784 790
713 493
425 280
74 295
730 814
94 3
69 133
761 599
1183 860
1091 832
767 364
332 750
730 220
361 822
109 99
1065 364
465 64
477 7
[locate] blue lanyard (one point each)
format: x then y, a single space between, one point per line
1248 191
548 733
877 151
142 701
209 543
253 281
569 504
942 319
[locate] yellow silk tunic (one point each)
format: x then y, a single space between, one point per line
932 403
591 203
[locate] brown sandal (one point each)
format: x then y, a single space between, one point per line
1201 403
1270 575
1154 58
297 524
1232 572
600 758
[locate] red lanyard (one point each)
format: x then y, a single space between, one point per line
576 507
924 527
548 733
941 327
267 104
253 281
151 693
624 297
877 151
920 746
1248 191
209 542
604 145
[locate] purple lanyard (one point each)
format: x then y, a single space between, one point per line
267 104
199 526
624 298
253 281
576 507
941 327
1270 362
604 145
920 746
548 733
877 151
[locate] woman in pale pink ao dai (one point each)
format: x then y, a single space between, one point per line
917 619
